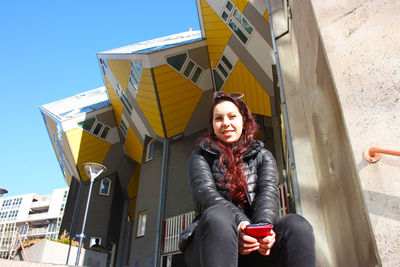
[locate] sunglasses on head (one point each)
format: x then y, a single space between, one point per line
231 95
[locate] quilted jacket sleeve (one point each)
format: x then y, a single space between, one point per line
266 202
203 188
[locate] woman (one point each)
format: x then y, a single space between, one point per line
234 182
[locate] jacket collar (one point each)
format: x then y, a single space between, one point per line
213 148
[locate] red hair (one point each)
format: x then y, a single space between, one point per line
231 156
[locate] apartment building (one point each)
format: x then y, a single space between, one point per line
32 216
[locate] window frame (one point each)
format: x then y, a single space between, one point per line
108 189
149 146
141 226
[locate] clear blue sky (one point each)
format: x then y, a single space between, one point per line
48 52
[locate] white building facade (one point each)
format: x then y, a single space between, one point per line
32 216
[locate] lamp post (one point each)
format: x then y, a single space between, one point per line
92 170
3 191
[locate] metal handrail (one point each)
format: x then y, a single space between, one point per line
374 153
294 183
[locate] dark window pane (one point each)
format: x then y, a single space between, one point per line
87 124
218 80
97 128
229 6
223 71
177 61
105 132
189 68
227 62
238 31
196 74
243 21
224 16
105 186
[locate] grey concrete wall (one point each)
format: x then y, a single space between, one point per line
330 189
361 41
142 248
178 199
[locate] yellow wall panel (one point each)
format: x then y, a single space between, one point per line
133 147
240 4
178 98
115 102
121 70
241 80
147 101
266 17
86 148
217 33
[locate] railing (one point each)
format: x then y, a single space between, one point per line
374 153
172 228
283 207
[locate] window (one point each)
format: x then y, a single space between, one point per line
124 99
97 128
87 124
105 132
59 133
105 187
188 68
95 242
237 22
185 66
238 31
218 80
177 61
123 129
149 150
222 70
196 74
134 77
227 62
141 228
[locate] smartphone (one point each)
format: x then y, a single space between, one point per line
258 230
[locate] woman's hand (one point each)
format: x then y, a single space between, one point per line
247 244
266 244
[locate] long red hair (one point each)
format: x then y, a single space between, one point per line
231 157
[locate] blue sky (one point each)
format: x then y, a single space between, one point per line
48 52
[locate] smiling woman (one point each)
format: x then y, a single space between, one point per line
227 122
234 183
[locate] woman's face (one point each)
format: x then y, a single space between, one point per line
227 122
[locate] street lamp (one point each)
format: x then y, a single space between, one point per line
3 191
92 170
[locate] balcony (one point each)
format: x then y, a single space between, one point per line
40 205
38 217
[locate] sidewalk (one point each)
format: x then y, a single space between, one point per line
10 263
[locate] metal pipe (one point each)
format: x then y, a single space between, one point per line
73 220
82 235
161 203
373 153
285 115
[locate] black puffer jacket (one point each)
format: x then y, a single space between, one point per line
207 179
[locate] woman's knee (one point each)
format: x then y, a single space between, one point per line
217 217
295 224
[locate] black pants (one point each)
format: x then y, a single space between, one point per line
215 243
